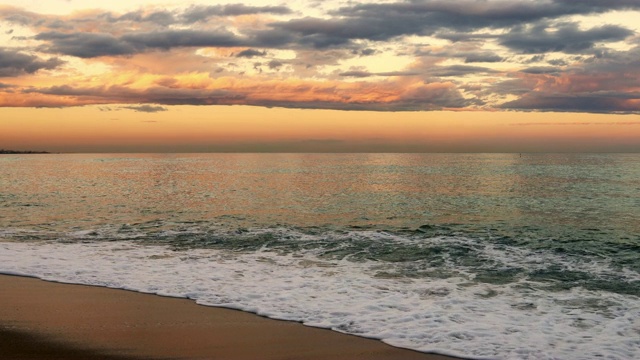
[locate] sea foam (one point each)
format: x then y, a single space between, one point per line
447 315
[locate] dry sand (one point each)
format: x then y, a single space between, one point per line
44 320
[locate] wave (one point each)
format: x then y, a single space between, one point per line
446 293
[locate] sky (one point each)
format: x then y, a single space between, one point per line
320 76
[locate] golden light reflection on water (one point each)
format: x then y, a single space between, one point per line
343 190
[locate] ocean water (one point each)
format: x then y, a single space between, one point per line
487 256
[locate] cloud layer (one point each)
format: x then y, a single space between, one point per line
551 55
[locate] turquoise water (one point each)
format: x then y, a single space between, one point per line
549 244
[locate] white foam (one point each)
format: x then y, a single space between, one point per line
451 316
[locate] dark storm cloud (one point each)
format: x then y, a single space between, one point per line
450 20
275 64
460 70
598 5
202 13
483 57
455 21
146 108
15 63
84 45
370 21
575 103
163 18
356 74
430 98
516 87
249 53
479 13
366 52
308 33
320 41
607 84
463 36
154 95
168 39
469 56
541 70
567 38
271 38
535 58
89 45
323 33
557 62
193 14
425 97
609 123
18 16
593 79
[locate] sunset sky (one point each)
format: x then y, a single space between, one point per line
430 75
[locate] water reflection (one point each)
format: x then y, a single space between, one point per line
389 190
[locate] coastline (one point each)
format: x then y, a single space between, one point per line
20 152
48 320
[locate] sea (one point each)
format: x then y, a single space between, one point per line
482 256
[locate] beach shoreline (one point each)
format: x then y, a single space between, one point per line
48 320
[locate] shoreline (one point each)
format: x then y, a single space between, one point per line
41 319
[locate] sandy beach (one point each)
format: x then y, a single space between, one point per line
45 320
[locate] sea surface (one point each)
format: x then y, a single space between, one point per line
486 256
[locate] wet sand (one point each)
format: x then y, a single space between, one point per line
45 320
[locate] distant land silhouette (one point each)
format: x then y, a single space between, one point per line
3 151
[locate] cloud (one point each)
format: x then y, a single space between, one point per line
384 96
146 108
607 84
483 57
460 70
443 50
202 13
364 74
325 33
614 123
356 73
123 94
275 64
190 15
472 14
541 70
365 52
447 19
84 45
469 53
249 53
566 38
18 16
89 45
575 103
164 18
168 39
15 63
